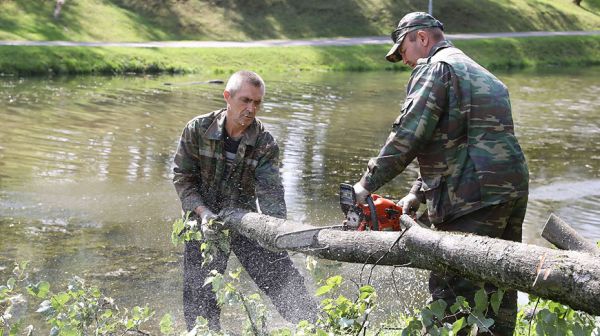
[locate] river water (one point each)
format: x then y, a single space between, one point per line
85 169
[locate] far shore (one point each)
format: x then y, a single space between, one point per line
514 51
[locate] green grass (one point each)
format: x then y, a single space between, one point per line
145 20
151 20
493 54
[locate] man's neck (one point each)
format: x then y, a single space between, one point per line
233 132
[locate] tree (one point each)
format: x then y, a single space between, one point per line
569 277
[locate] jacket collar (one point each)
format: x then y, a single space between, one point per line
439 46
216 130
436 47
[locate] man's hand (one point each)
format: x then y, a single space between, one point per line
361 193
208 228
409 203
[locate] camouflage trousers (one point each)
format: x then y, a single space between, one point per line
273 272
502 221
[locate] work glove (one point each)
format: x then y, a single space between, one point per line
210 229
361 193
409 203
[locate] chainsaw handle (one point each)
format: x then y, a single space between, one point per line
373 212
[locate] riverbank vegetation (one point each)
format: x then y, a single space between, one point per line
83 309
155 20
534 52
235 20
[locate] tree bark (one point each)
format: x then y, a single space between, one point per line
569 277
563 236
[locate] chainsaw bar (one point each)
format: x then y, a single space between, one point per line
301 238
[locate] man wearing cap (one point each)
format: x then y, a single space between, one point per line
456 121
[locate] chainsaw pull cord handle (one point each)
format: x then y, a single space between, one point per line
373 212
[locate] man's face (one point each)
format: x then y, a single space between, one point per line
411 51
243 106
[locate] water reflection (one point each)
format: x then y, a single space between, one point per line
85 167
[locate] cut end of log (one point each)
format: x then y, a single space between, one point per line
563 236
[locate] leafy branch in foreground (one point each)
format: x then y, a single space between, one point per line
185 230
228 294
83 309
439 319
547 317
341 315
13 303
80 310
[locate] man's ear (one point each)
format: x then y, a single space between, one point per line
226 95
423 38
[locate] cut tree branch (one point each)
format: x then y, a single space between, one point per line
563 236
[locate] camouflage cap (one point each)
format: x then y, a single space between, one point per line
410 22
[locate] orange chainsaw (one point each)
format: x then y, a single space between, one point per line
379 214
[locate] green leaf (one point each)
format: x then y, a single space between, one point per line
217 281
323 290
438 308
166 324
483 323
60 299
496 300
3 292
108 313
367 289
427 317
481 300
461 304
433 331
458 325
547 316
321 332
334 281
486 323
69 331
39 290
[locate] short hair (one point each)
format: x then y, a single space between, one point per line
435 32
234 84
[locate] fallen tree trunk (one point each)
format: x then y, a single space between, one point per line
569 277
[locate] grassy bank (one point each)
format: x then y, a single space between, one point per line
155 20
493 54
148 20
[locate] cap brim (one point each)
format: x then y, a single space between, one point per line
393 55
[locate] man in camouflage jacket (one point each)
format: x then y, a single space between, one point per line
456 120
227 158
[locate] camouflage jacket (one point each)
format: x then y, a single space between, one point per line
456 120
199 168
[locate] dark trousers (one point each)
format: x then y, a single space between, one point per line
273 272
504 221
